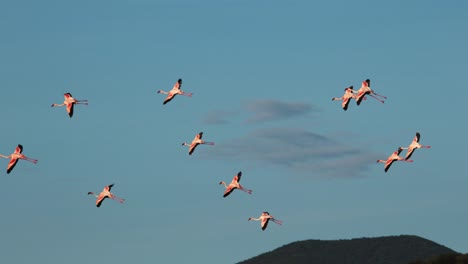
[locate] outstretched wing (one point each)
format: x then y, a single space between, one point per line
67 95
228 191
100 199
169 97
199 135
70 107
108 187
178 84
388 164
366 83
264 223
18 149
417 137
237 177
192 148
11 165
409 153
345 103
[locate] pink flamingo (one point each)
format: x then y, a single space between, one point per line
106 194
70 102
235 185
414 145
392 158
346 98
265 218
15 156
365 89
175 91
195 142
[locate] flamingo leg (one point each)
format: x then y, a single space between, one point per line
30 160
209 143
279 222
425 146
187 94
118 199
383 96
245 190
376 98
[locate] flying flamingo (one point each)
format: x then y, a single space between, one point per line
70 102
414 145
392 158
15 156
195 142
235 185
346 98
264 218
365 89
175 91
106 194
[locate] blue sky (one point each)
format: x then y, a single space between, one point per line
262 74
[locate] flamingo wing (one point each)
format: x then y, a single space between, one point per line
264 223
366 83
192 148
169 97
388 164
345 103
199 135
70 107
18 149
228 190
417 137
67 95
399 151
178 84
11 164
237 177
359 98
100 199
108 187
409 153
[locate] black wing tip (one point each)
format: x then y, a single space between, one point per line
239 173
418 134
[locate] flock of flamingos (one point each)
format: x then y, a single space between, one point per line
265 217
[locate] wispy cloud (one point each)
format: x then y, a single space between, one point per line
270 110
297 150
218 117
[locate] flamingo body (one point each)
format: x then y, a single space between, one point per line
70 102
346 98
197 140
414 145
174 91
234 185
106 193
264 218
392 158
15 156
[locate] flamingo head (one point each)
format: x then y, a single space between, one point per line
221 182
250 218
90 193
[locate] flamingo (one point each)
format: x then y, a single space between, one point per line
234 185
346 98
106 194
15 156
195 142
265 218
70 102
394 157
414 145
175 91
365 89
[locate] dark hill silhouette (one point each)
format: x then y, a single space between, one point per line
380 250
